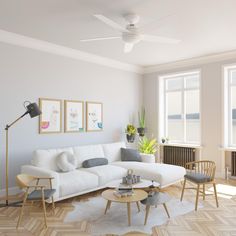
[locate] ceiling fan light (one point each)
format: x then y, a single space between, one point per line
131 38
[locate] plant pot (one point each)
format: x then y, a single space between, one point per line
141 131
130 138
148 158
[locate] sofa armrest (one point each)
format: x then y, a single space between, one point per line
40 172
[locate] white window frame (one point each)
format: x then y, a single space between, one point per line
228 136
163 126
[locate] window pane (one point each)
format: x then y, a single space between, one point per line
192 104
233 77
192 81
192 116
233 112
173 84
174 115
176 130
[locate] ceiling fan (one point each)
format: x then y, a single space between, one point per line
130 34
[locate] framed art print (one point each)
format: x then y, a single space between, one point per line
50 120
94 114
74 116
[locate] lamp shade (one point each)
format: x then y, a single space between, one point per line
33 110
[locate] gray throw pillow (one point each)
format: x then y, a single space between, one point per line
128 154
95 162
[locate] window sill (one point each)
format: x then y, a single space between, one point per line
232 149
197 146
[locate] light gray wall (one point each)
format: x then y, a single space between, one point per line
211 108
27 74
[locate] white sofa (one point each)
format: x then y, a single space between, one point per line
84 180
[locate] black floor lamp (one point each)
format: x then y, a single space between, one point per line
33 110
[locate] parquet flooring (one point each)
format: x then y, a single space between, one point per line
208 220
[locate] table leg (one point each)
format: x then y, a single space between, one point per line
166 210
107 206
137 203
146 215
129 213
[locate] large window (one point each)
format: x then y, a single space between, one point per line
181 107
230 105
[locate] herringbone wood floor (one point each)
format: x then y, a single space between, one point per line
208 220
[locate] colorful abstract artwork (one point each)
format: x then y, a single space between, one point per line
94 116
50 119
74 116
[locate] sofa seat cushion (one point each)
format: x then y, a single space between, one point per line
197 177
161 173
106 173
76 181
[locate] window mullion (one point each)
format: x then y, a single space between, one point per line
184 108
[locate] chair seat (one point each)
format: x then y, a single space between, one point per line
37 194
197 177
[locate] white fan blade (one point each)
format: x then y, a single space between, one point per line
128 47
111 23
159 39
98 39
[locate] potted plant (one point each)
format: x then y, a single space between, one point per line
130 133
147 148
142 123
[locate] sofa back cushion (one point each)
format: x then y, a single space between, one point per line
47 158
83 153
112 151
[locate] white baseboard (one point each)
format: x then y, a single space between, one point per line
11 191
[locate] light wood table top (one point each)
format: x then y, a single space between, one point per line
136 197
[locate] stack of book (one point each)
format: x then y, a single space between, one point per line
123 192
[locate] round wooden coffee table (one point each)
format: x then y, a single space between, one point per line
137 196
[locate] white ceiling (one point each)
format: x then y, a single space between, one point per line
203 26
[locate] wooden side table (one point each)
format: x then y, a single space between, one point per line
137 196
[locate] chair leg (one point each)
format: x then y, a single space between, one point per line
44 209
53 206
203 194
166 210
137 203
146 215
182 194
196 203
217 203
22 209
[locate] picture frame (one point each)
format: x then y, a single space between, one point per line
94 116
73 116
50 121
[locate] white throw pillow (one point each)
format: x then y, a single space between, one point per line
66 162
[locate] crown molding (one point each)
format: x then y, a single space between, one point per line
40 45
191 62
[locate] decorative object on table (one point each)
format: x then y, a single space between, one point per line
38 194
155 198
142 122
147 148
164 140
129 154
123 191
94 116
50 120
200 173
131 178
74 116
33 110
130 133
